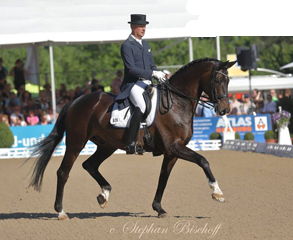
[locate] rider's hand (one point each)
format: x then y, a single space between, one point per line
159 75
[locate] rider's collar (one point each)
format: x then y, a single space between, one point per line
138 40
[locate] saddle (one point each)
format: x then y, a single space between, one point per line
122 110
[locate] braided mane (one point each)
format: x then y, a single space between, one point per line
191 63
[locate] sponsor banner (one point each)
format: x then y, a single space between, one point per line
258 125
28 136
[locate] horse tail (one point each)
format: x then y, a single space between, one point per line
45 148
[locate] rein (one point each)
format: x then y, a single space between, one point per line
165 106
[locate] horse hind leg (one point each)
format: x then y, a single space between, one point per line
62 177
92 164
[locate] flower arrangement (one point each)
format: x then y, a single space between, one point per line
281 119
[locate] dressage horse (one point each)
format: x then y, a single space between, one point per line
87 118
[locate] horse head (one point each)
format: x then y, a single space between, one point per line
217 87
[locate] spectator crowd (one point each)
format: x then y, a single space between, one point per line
259 104
19 108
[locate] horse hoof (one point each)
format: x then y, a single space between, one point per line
162 215
218 197
63 216
102 201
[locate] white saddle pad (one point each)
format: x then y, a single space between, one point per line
121 118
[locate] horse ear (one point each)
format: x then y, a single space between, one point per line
222 65
226 65
230 64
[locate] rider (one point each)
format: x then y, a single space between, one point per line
139 68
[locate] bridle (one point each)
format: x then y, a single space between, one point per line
211 103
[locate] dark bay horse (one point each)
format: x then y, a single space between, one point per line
87 118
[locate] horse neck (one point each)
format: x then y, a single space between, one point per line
189 81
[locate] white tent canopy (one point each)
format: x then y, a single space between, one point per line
241 84
289 65
88 21
55 22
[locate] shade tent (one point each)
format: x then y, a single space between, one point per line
88 21
289 65
52 22
241 84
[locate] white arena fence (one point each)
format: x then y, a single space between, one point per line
90 148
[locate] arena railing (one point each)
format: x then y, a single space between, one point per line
89 149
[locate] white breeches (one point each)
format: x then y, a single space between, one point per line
136 96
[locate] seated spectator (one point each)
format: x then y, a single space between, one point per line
257 97
3 75
116 83
235 106
16 118
270 106
286 101
50 116
274 95
6 91
87 85
4 118
48 93
20 91
11 102
260 107
43 102
203 110
32 119
95 86
60 105
44 118
2 84
247 107
26 96
77 92
57 96
71 95
86 91
2 102
63 91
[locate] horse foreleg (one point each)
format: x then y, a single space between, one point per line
185 153
166 168
92 164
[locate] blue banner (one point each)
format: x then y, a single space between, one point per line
28 136
202 128
258 125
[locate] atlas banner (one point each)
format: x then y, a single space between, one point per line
258 125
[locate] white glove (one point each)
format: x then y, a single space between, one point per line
159 75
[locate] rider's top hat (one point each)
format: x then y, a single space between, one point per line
138 19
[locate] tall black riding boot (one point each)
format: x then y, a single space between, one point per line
132 130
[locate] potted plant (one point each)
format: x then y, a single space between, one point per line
237 136
249 136
215 136
282 120
270 136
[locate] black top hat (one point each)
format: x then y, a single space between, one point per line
138 19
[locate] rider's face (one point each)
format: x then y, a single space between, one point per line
138 30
